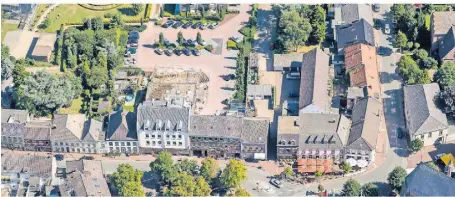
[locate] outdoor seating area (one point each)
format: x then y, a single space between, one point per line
313 165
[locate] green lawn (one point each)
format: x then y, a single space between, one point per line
8 27
75 107
427 21
129 108
39 12
74 13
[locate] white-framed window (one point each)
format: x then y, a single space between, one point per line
147 136
147 143
440 132
429 134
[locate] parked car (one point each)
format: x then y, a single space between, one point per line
133 42
177 24
159 51
178 52
186 51
293 95
168 23
186 25
168 52
377 23
204 26
400 133
196 25
230 77
133 34
196 52
59 157
438 156
376 7
167 43
213 25
190 42
88 157
387 29
235 39
385 51
276 183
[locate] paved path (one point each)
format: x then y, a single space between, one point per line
43 16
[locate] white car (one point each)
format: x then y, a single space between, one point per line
213 25
387 29
438 156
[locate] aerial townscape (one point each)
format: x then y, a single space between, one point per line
227 99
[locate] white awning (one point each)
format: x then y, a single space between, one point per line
313 152
362 163
321 152
328 152
260 156
351 162
307 152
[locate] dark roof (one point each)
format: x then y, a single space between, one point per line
319 131
447 43
161 117
84 178
14 115
33 164
358 32
122 127
13 129
314 81
253 130
422 114
426 181
287 139
75 127
353 12
37 133
287 60
365 124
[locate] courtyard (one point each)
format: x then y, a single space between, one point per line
215 66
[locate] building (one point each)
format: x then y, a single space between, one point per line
362 69
426 181
366 119
121 135
350 13
193 8
259 92
447 46
37 136
15 116
423 119
163 128
73 133
25 173
354 95
287 62
84 178
314 82
312 136
358 32
441 23
229 136
44 47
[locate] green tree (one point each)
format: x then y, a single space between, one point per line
46 23
416 145
239 192
409 45
19 75
345 167
5 51
296 30
445 75
447 96
321 188
318 174
198 38
351 188
208 169
233 174
97 23
97 77
411 72
7 68
188 166
180 38
396 177
202 187
288 171
161 39
137 9
370 189
182 185
127 181
434 166
397 11
76 84
318 23
401 40
164 167
116 21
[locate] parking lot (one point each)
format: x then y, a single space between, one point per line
214 65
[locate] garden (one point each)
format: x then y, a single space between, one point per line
200 15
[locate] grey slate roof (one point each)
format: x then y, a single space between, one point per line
13 129
319 131
252 130
353 12
37 133
355 92
447 43
259 90
365 124
14 115
314 81
33 164
287 60
74 127
174 115
84 178
122 127
358 32
421 113
426 181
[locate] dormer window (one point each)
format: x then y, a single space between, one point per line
168 125
180 125
147 125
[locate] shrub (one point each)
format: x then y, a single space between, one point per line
231 45
136 28
209 48
107 15
147 11
233 11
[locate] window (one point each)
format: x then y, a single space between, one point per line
116 143
123 143
61 143
134 144
111 144
440 132
173 136
180 144
159 136
167 136
128 143
174 143
147 135
147 143
153 136
429 134
159 142
180 136
56 143
153 143
168 143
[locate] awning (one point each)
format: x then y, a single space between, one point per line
313 152
260 156
307 152
328 152
362 163
351 161
306 169
447 158
301 162
321 153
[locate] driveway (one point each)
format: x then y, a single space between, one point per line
214 65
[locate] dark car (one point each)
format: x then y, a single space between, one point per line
178 52
229 77
377 23
186 51
376 7
186 25
168 23
59 157
88 158
133 34
196 25
293 95
196 52
190 42
133 42
168 52
177 24
399 133
159 51
276 183
385 51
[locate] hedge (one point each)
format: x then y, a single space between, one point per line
233 12
231 45
135 28
95 8
148 7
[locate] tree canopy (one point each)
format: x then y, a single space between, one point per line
233 174
370 189
351 188
137 8
447 96
164 167
296 30
7 64
445 75
396 177
239 192
187 165
345 167
411 72
98 76
209 169
416 145
127 181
